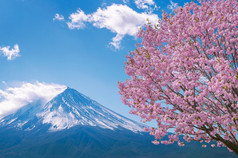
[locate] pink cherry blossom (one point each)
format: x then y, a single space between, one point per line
184 74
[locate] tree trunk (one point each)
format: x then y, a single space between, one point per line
229 144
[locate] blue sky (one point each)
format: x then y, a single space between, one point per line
84 47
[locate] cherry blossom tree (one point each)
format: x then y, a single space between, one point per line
184 74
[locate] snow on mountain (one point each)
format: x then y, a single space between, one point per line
68 109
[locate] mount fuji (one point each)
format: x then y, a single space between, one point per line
66 110
72 125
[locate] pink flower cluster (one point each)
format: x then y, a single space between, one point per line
184 74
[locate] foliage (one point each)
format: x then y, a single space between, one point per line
184 74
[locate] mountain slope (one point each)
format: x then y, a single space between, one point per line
91 142
72 108
68 109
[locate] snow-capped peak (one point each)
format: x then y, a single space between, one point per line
68 109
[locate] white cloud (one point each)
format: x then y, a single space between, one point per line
148 5
116 41
172 5
117 18
13 98
58 17
125 1
77 20
144 4
10 53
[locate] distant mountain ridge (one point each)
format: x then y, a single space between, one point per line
68 109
